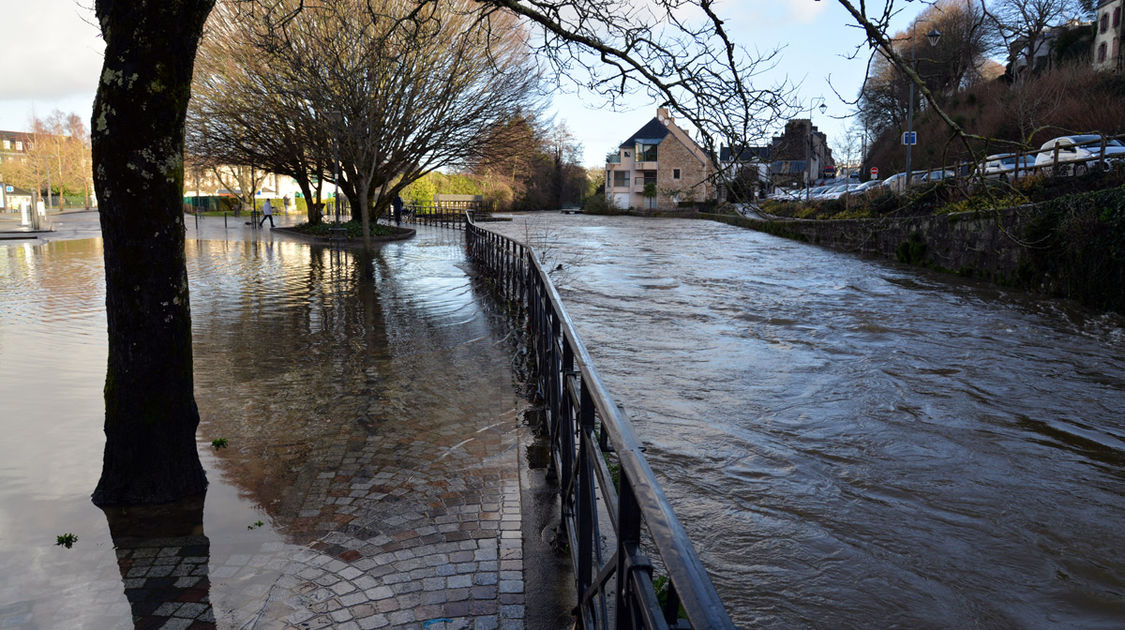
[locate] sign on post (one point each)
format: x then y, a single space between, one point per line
874 172
910 137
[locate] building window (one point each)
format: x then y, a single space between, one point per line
7 144
1101 52
646 152
1105 22
675 173
620 179
1116 16
19 145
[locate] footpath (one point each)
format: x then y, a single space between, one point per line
421 530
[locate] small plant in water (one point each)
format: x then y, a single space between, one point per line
219 442
66 540
254 525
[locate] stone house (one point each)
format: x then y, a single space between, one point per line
1109 30
800 154
14 145
662 157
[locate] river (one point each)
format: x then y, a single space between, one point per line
853 443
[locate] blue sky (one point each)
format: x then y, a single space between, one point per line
50 58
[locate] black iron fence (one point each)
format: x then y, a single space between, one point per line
440 215
613 509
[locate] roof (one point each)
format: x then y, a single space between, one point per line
653 132
747 154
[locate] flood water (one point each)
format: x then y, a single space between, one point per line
317 380
854 444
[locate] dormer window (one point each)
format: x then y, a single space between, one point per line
646 152
626 154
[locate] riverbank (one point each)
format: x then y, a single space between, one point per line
1071 247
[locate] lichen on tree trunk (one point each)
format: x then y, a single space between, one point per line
137 134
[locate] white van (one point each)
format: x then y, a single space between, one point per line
1082 151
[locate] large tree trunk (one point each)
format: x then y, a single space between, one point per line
138 140
313 205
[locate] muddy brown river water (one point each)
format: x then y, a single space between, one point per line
854 444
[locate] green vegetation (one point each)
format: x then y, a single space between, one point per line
354 229
254 525
219 443
66 540
1077 249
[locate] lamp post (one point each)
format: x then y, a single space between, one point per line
808 143
933 37
338 122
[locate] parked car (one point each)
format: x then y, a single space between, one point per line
871 184
931 176
787 194
832 192
896 183
1078 154
1003 165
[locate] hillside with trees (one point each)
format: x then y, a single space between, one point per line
1033 99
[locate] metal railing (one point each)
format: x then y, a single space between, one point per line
609 496
438 215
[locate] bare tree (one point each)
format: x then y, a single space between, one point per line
967 37
677 50
58 157
1024 23
243 112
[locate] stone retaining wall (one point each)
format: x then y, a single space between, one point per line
1073 248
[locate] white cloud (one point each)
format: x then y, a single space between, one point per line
804 11
50 50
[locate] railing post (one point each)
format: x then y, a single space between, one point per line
628 542
587 508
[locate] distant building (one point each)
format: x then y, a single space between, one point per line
800 154
1046 44
14 145
662 157
1110 28
746 172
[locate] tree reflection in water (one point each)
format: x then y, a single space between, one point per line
163 554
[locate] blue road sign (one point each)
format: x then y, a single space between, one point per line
910 137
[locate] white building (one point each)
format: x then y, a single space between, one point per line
1107 52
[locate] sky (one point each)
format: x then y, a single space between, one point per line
51 54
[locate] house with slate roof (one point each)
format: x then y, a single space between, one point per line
661 154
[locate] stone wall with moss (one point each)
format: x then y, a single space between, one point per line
1071 247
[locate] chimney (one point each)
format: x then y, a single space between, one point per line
662 115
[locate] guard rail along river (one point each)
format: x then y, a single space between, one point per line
613 509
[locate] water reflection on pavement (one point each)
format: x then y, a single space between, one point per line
370 474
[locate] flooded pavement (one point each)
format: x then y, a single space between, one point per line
854 444
370 476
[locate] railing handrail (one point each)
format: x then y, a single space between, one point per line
693 588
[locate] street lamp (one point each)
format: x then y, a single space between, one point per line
909 139
808 142
338 122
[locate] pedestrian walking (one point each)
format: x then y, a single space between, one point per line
396 203
267 213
